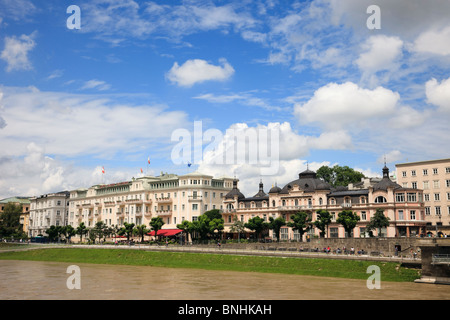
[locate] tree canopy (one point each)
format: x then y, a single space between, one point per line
339 176
348 219
10 221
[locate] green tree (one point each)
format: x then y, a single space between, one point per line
99 230
378 221
339 176
156 224
52 233
322 222
141 230
10 221
275 225
81 230
348 220
187 228
258 225
301 222
68 232
208 223
127 230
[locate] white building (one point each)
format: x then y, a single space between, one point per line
173 198
47 210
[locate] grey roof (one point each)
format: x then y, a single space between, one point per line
308 182
386 182
234 192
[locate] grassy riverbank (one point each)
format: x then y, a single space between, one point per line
350 269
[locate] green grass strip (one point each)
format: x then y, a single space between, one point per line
351 269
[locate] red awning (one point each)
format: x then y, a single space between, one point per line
166 232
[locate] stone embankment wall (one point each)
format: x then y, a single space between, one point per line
385 246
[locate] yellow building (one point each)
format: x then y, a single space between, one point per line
25 203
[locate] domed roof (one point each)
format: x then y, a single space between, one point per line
386 182
307 181
234 192
275 189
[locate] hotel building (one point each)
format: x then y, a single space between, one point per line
173 198
47 210
433 177
403 206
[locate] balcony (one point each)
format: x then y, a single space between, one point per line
164 200
164 213
346 205
134 201
194 198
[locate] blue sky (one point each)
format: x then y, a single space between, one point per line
112 93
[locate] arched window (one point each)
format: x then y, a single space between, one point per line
273 203
320 201
380 199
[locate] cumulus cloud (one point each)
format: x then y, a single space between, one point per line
16 50
434 42
197 71
439 93
339 106
380 53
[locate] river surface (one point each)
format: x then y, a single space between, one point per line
25 280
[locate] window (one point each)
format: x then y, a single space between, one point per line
399 197
427 211
426 185
436 184
437 197
435 171
411 197
413 173
380 199
414 185
334 232
447 183
426 196
425 172
448 195
195 206
437 211
363 215
400 215
447 170
412 214
403 173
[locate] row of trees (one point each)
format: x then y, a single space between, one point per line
210 226
301 221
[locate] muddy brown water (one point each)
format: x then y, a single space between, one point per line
26 280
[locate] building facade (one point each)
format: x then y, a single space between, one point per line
173 198
403 206
25 203
434 178
47 210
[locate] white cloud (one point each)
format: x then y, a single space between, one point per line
380 53
96 84
341 106
434 41
16 52
197 71
439 93
75 124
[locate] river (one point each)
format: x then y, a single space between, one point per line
32 280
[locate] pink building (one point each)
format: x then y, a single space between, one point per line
403 206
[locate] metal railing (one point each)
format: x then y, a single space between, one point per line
440 259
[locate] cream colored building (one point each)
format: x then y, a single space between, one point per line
433 177
47 210
173 198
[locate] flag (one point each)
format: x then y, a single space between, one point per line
141 170
103 169
189 164
148 160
